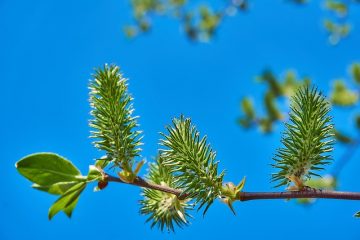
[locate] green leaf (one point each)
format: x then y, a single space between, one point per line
357 215
343 96
46 169
94 174
67 201
271 107
327 182
56 188
274 85
338 7
247 107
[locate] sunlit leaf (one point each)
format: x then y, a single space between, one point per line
67 201
46 169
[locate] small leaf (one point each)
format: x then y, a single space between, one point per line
46 169
139 166
69 209
94 174
67 201
357 215
240 186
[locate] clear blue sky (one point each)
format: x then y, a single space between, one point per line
48 52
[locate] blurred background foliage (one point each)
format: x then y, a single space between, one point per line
200 19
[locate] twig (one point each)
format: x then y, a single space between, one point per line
140 182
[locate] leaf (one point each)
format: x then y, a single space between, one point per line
56 188
327 182
343 96
240 186
357 215
247 107
338 7
94 174
67 201
46 169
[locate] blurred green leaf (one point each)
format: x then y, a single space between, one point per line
338 7
67 201
271 107
46 169
357 215
355 72
274 85
291 83
247 107
244 122
327 182
130 31
336 31
265 125
341 95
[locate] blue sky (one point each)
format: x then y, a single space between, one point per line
48 52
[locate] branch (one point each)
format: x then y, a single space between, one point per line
312 193
140 182
247 196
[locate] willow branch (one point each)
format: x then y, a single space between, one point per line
312 193
247 196
140 182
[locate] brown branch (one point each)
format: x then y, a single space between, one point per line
312 193
247 196
140 182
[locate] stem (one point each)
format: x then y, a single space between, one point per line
312 193
140 182
247 196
